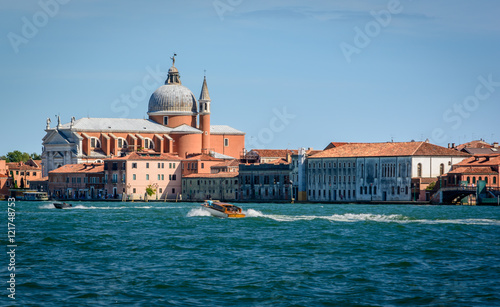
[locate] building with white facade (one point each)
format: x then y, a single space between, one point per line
377 171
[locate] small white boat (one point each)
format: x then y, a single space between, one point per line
219 209
62 205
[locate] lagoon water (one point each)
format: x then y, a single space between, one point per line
175 254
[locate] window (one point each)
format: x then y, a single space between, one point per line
173 190
148 143
226 142
147 176
494 180
473 179
202 165
374 190
134 165
419 170
123 177
162 177
361 190
147 164
441 169
122 143
95 143
115 178
161 190
159 177
133 190
165 120
134 177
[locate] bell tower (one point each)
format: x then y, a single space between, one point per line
205 117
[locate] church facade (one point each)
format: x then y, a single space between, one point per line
177 124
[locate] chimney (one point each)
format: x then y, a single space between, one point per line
495 145
449 145
452 145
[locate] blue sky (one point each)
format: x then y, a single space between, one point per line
288 73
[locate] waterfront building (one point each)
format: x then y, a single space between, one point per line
199 164
266 182
5 180
177 124
24 172
266 155
378 171
221 186
298 173
474 169
77 181
129 177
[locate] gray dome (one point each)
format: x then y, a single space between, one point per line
172 98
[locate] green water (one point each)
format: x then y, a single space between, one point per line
175 254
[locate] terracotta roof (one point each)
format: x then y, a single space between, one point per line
473 170
275 153
218 175
21 166
79 168
389 149
202 157
146 156
474 144
227 163
487 160
278 161
335 144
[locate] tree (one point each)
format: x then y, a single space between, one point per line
150 190
17 156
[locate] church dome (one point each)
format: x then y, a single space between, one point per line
172 98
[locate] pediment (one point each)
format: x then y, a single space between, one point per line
55 138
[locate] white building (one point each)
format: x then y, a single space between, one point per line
377 171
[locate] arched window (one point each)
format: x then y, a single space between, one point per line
419 170
148 143
361 190
468 179
95 143
441 169
122 143
486 179
473 179
494 180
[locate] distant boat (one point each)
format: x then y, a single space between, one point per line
62 205
219 209
35 196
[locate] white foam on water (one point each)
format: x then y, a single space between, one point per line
485 222
198 212
47 206
253 213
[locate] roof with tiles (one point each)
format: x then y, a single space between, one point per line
335 144
389 149
234 163
147 156
116 125
79 168
474 144
202 157
224 129
274 153
278 161
210 175
481 161
474 170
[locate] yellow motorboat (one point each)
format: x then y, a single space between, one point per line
219 209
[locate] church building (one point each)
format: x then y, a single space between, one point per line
178 124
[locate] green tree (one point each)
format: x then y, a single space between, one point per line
150 190
17 156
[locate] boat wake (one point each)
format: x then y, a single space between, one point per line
366 217
198 212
